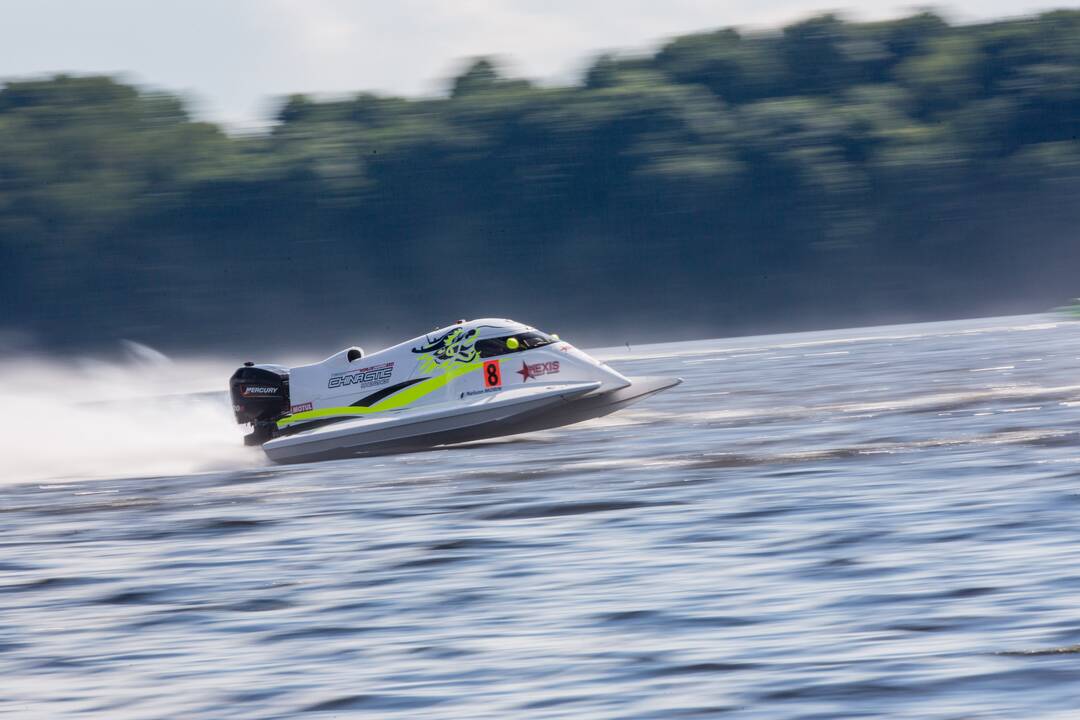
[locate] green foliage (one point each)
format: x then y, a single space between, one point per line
734 68
832 169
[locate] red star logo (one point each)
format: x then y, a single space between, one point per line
524 372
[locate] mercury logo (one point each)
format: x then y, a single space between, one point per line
258 390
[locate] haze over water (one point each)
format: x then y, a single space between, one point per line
876 523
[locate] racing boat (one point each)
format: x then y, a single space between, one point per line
469 381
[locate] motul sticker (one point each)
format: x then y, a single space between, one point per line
301 408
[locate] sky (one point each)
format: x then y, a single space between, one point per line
234 59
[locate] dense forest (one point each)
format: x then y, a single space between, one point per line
826 174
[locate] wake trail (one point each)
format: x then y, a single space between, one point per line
145 415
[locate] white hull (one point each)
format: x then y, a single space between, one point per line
540 408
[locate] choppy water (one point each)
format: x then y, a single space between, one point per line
867 523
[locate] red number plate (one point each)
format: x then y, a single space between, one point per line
492 374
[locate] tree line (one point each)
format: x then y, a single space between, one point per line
829 173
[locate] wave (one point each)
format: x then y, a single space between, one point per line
826 338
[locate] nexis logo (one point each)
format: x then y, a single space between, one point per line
537 369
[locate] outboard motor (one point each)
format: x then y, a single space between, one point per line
260 395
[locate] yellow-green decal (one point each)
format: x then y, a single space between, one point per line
396 401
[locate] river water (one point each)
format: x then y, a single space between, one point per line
863 523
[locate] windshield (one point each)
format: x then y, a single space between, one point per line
491 347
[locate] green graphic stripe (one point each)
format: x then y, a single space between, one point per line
397 400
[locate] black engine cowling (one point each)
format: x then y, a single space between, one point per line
260 395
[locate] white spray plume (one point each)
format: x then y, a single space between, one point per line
74 418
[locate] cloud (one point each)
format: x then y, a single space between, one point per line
320 27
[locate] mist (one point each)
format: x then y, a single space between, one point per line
141 414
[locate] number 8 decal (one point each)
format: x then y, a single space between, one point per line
492 375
